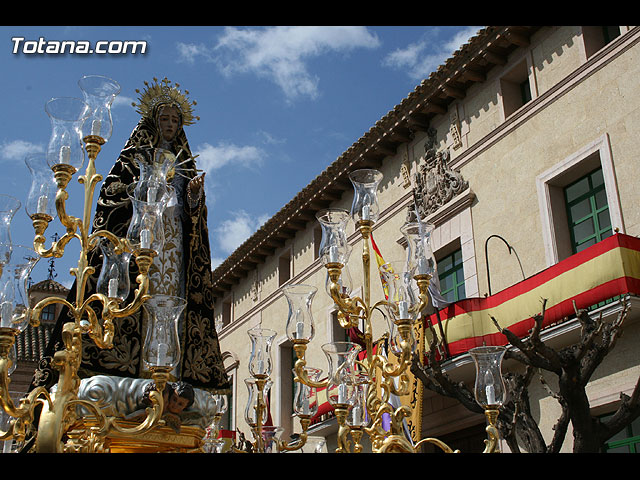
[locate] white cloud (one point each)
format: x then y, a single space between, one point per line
121 101
232 232
214 157
18 149
421 58
280 53
189 52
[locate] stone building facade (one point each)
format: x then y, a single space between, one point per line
496 141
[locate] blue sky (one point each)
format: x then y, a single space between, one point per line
277 105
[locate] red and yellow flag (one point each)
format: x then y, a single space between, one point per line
380 262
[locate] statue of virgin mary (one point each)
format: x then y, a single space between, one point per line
183 266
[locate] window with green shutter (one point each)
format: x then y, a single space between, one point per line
451 276
587 211
625 441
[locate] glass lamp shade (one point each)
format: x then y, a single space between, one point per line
42 194
300 325
145 229
114 276
260 363
251 410
419 254
99 93
365 200
14 296
489 389
401 297
305 398
8 207
65 144
341 356
334 247
162 344
155 164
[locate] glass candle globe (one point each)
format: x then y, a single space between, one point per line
98 92
365 200
344 281
221 403
300 325
260 363
8 207
401 297
42 193
114 279
65 144
145 229
334 248
419 254
490 390
341 357
305 398
162 343
155 165
251 410
14 297
271 435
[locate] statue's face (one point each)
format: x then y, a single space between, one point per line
169 122
177 404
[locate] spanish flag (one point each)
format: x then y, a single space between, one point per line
380 262
605 270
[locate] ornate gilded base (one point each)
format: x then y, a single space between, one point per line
159 440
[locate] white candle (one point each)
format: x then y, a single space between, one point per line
491 395
403 310
95 127
42 204
365 212
6 314
162 354
422 266
299 330
145 238
305 408
153 193
342 393
356 414
334 256
113 288
65 154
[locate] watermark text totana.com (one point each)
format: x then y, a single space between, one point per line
42 46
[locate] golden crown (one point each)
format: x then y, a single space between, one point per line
164 92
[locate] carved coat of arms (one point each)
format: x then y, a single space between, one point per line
435 182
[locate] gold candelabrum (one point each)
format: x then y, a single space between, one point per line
54 415
267 437
360 390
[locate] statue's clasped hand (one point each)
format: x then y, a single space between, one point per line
195 189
